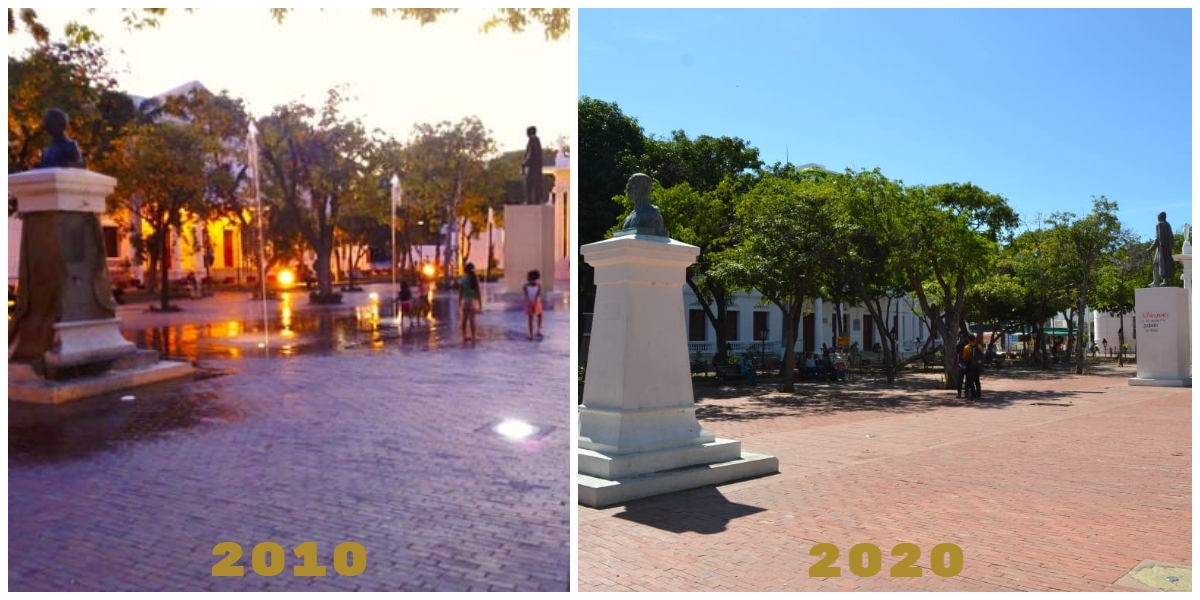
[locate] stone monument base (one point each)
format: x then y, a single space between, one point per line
1163 328
625 477
528 244
1184 382
139 368
85 342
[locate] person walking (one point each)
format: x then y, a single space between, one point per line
533 301
973 353
470 302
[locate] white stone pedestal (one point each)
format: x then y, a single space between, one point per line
528 244
1163 332
638 433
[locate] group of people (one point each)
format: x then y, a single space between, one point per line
827 363
970 356
470 303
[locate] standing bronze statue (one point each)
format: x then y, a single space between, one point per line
534 189
1164 244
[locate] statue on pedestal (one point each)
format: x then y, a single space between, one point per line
645 218
62 275
1164 244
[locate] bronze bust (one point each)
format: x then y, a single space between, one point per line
62 151
645 218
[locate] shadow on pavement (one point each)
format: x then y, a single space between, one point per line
702 510
745 403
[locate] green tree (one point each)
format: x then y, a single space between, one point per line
75 79
1087 241
555 22
611 144
1117 276
951 237
445 171
865 222
703 163
164 165
784 249
1034 258
223 118
313 163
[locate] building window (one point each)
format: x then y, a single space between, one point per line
731 319
112 246
697 326
760 325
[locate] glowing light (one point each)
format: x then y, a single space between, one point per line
287 278
515 430
285 316
373 296
428 270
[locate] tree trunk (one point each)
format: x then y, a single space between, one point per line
888 368
1121 342
789 343
1079 343
165 265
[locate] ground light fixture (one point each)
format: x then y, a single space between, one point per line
515 430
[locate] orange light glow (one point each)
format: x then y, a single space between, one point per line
287 278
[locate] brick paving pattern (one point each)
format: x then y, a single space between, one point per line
387 443
1037 495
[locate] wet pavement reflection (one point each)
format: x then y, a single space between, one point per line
322 330
47 433
447 461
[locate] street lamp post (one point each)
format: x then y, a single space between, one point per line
396 195
762 335
488 270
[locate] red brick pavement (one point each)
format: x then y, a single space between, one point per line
1038 496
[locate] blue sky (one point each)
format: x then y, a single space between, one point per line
1045 107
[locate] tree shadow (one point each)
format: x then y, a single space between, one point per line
702 510
917 394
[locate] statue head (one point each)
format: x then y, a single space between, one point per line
531 131
55 123
1162 216
639 190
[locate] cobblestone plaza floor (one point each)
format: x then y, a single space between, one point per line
338 433
1052 481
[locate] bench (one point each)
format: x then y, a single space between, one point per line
729 372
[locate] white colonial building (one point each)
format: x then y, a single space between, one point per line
758 325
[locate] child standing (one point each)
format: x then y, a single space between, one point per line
469 302
533 301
